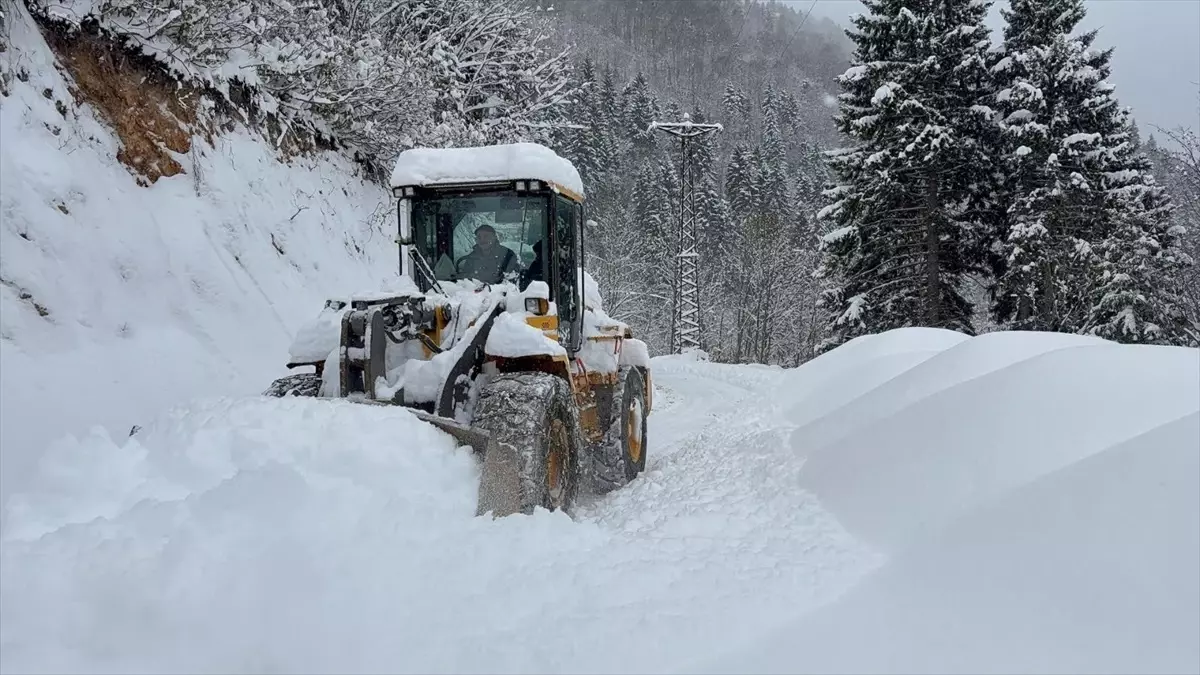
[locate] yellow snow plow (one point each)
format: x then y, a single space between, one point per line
493 331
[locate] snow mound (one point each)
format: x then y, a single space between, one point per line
1089 569
1037 496
505 162
943 454
189 452
840 375
218 520
906 377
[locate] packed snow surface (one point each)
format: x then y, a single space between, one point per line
512 161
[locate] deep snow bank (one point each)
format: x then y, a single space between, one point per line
267 535
228 535
116 299
1038 497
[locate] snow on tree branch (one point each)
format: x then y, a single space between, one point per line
382 75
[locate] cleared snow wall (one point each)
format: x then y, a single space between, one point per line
156 244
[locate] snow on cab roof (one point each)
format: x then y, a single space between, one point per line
512 161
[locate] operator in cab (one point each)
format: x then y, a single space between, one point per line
489 261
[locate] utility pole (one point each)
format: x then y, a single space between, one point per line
685 319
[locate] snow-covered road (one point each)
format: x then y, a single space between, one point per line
301 536
266 535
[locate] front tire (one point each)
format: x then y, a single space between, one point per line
621 454
535 414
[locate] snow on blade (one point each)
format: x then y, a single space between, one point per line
513 161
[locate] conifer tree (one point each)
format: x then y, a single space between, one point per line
712 212
908 204
736 108
1139 297
588 149
639 110
1084 235
1051 109
773 170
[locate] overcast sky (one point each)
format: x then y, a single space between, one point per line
1156 65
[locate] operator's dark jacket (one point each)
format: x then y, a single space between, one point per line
488 266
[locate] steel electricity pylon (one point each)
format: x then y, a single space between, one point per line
685 319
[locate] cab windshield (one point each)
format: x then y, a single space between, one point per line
492 237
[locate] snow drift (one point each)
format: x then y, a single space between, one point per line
1037 496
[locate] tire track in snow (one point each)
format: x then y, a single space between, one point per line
718 512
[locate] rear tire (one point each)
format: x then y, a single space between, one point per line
621 454
535 414
301 384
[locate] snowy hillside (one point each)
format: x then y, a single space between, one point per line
116 299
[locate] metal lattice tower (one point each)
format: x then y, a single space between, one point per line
685 319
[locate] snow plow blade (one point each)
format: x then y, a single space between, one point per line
499 484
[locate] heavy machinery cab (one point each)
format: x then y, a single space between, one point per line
517 232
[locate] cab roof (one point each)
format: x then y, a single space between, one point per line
426 167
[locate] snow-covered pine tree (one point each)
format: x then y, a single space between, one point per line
906 208
773 171
790 120
1051 106
1179 168
1139 297
712 211
1084 240
741 182
742 189
610 101
591 148
713 230
639 109
736 107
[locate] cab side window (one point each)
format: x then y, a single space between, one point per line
567 262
